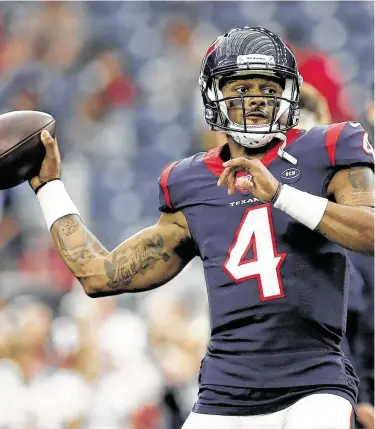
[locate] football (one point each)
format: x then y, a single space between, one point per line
21 149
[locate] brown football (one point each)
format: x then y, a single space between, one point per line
21 149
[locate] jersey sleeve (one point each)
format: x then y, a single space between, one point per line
348 145
178 184
166 203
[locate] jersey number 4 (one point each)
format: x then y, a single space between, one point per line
256 232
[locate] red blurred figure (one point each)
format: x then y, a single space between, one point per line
147 417
321 71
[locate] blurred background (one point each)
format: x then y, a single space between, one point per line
121 79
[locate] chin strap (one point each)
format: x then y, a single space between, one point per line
281 151
287 156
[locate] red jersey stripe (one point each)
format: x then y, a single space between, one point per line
164 183
332 137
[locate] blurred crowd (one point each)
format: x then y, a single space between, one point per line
68 361
121 79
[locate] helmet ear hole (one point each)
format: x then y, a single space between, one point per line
294 117
291 116
210 114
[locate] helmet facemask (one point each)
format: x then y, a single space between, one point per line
285 111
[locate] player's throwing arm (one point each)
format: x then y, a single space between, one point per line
145 261
348 222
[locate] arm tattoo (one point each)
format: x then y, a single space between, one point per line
342 199
359 180
77 245
68 226
362 188
128 263
96 268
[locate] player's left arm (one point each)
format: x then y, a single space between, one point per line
349 221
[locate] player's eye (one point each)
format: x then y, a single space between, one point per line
241 89
269 91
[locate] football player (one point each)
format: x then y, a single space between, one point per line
269 213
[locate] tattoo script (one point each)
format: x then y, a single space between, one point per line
126 264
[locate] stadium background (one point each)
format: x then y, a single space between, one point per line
121 78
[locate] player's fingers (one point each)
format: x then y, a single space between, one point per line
49 143
224 176
231 182
246 183
35 182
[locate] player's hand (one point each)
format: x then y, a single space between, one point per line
51 165
366 415
262 184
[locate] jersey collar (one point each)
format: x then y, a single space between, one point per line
215 157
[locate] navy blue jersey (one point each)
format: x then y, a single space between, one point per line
360 325
277 291
361 292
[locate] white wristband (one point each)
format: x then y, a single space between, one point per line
55 202
302 206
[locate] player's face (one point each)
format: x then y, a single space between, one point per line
258 110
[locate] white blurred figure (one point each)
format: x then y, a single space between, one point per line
120 393
65 335
58 400
132 380
123 337
123 378
12 396
39 394
31 348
